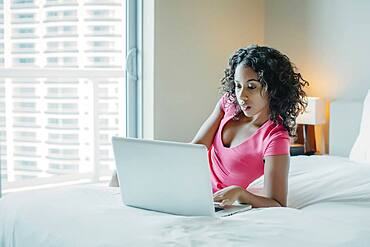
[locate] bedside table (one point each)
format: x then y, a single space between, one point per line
298 149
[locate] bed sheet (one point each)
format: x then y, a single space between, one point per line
93 215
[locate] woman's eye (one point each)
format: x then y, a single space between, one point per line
250 86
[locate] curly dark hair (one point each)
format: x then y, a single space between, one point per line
278 77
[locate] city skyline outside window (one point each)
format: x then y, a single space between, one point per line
66 96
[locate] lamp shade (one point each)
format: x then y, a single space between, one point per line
315 112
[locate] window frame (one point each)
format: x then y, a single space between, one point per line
134 124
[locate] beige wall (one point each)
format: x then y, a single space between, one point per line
188 43
192 41
329 42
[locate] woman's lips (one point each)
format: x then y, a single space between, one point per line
246 108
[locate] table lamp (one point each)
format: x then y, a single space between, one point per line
314 115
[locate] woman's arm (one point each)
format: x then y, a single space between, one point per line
275 186
209 128
204 136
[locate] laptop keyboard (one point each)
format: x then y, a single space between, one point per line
218 209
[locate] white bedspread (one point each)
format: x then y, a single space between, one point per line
332 194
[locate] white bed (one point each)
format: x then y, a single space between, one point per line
329 198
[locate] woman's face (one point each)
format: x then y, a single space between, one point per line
251 96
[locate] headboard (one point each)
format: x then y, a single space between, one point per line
345 119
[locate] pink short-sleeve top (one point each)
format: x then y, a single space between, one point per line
242 164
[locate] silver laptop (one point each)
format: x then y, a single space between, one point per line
168 177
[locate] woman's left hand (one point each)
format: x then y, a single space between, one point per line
228 195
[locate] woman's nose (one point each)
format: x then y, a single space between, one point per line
243 100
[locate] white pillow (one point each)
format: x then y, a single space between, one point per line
360 151
324 178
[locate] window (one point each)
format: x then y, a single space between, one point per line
64 92
24 122
24 92
25 45
62 95
52 14
25 136
24 151
24 61
25 164
24 106
2 136
22 1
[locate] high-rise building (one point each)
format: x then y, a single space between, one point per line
57 124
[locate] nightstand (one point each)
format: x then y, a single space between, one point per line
298 149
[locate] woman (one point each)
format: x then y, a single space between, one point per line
247 134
